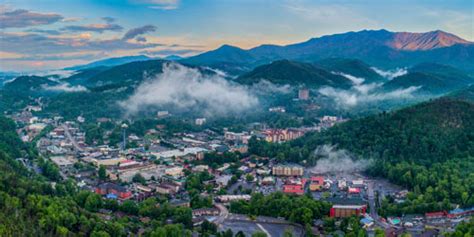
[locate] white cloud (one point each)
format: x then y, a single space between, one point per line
264 87
160 4
365 93
333 160
186 89
59 73
390 74
65 87
353 79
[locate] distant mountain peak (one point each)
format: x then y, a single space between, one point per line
110 62
424 41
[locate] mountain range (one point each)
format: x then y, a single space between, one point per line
380 48
110 62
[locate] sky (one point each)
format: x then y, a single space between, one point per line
38 35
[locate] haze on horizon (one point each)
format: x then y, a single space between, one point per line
46 34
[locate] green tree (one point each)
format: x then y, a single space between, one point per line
138 178
102 173
259 234
93 202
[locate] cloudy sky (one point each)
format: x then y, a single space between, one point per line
47 34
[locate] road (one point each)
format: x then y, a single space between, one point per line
373 207
223 213
71 138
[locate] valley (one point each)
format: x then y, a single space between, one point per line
112 130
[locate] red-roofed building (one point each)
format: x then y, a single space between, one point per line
111 188
295 187
435 215
353 190
317 182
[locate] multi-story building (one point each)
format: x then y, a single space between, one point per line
111 188
287 170
303 94
347 210
282 135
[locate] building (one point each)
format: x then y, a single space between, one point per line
359 183
166 188
230 198
295 187
206 212
161 114
198 151
303 94
269 180
238 137
200 168
174 171
240 148
317 183
353 190
200 121
179 203
282 135
128 164
287 170
458 212
278 109
107 162
347 210
435 215
342 184
111 188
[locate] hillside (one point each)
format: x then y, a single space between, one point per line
432 78
294 73
353 67
81 76
129 73
433 131
427 148
463 94
28 83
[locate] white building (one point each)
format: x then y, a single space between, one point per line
200 121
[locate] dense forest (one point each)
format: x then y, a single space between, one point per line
427 148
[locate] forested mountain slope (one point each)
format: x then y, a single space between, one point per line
427 148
